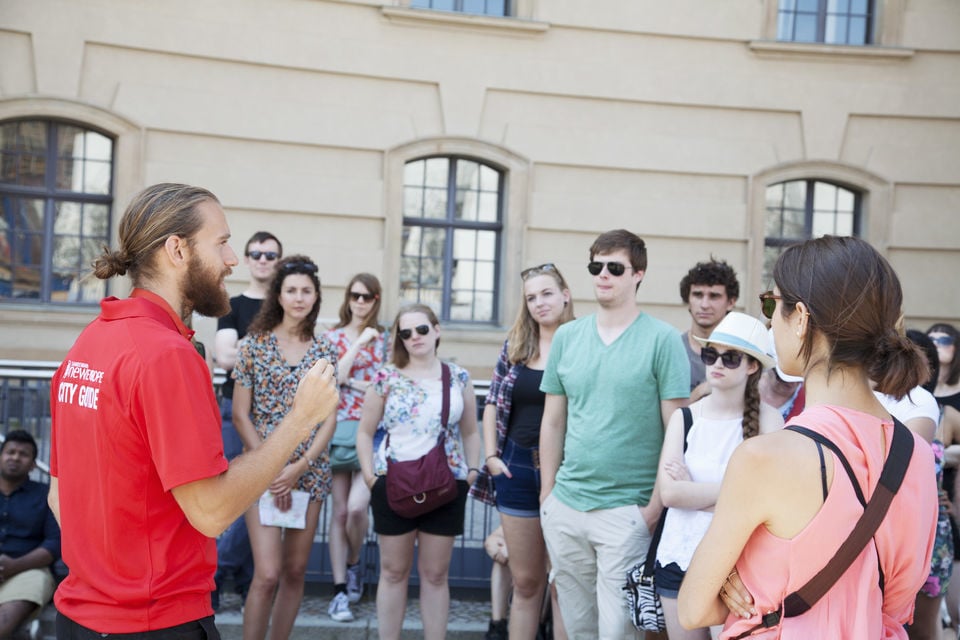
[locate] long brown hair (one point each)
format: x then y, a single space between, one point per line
855 301
156 213
372 285
523 340
399 356
271 313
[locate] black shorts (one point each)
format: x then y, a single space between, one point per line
443 521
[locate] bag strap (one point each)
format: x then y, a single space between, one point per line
445 381
891 477
651 560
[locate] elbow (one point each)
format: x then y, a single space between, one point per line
688 615
208 524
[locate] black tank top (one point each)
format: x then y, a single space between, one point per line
526 408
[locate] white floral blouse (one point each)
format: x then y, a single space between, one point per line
411 416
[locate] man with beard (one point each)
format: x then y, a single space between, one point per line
710 290
139 481
31 537
261 253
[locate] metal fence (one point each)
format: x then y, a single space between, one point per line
25 404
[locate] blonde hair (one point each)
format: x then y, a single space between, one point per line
523 340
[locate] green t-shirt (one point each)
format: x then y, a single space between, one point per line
614 429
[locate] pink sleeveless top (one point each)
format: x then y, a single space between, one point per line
773 567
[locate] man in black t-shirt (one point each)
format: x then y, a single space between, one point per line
262 251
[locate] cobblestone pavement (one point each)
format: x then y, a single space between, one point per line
464 612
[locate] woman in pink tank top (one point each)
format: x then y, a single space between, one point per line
786 504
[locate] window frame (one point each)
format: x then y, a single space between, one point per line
508 8
52 196
450 224
516 171
822 13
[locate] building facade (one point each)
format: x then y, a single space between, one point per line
445 145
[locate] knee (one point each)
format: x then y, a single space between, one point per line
338 516
394 575
527 587
356 514
265 579
433 577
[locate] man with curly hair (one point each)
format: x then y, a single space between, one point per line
710 290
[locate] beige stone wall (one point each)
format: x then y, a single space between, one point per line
666 118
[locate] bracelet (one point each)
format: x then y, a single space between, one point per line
491 456
469 469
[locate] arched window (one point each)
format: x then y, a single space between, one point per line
55 200
452 222
798 210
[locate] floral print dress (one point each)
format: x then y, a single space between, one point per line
941 563
262 368
369 359
411 416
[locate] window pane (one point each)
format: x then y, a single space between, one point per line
485 272
795 194
496 7
461 307
806 28
413 173
435 203
838 6
836 30
788 5
464 244
67 218
859 6
466 205
785 26
794 224
488 210
858 31
483 306
468 175
487 246
775 195
437 171
845 200
823 224
25 157
442 5
420 4
844 225
774 223
824 196
412 202
489 179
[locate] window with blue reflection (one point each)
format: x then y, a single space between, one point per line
847 22
479 7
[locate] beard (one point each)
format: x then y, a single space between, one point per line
201 290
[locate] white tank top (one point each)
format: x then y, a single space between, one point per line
710 444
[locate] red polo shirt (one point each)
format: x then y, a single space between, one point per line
134 415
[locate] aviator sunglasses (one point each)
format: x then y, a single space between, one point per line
356 296
943 341
422 329
768 304
269 255
615 269
730 359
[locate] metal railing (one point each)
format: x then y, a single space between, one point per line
25 404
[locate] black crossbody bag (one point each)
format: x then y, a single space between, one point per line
891 477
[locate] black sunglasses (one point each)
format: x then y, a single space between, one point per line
768 303
615 269
356 296
730 359
269 255
298 265
422 329
546 266
943 341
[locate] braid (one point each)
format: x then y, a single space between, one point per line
751 405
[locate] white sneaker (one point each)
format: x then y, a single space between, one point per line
355 582
339 608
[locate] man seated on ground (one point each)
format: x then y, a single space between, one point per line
29 534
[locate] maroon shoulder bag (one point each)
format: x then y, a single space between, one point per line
416 487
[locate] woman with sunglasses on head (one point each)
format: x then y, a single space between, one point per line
361 344
945 337
511 435
279 348
692 464
406 400
787 502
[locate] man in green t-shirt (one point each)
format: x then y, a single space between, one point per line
612 381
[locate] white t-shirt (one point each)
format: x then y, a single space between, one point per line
918 403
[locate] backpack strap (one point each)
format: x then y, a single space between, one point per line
891 477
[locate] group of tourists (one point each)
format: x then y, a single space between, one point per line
597 433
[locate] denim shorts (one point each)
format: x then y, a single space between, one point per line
667 580
519 496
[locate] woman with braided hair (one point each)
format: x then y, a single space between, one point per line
735 355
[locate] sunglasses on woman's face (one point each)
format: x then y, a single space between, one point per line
768 304
356 296
730 359
616 269
943 341
269 255
422 329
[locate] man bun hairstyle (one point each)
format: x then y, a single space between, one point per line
854 300
154 214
